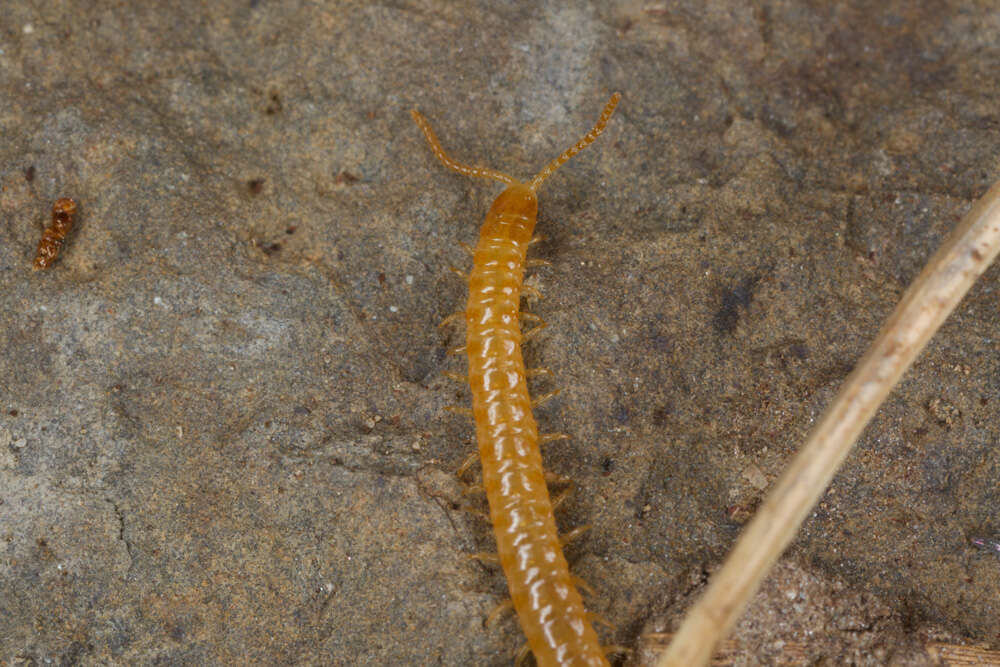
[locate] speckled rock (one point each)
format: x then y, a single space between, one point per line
222 436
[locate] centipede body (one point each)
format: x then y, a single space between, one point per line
549 608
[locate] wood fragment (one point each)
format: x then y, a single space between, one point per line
55 234
728 653
948 275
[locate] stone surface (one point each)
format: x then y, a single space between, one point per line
222 435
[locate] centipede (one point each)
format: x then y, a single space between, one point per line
543 593
63 213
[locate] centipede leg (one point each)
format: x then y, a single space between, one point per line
594 617
582 584
535 372
467 248
537 238
544 438
498 611
539 325
522 655
466 464
532 263
459 272
616 649
544 398
454 317
528 290
556 478
573 534
456 350
473 489
484 557
531 333
457 377
459 410
561 498
479 514
553 478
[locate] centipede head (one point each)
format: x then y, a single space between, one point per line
518 200
513 214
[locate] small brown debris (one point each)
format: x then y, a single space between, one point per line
55 234
256 186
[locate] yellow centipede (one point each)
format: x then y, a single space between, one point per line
548 606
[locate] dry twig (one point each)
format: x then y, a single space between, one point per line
930 299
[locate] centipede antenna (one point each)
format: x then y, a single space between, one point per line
588 139
454 165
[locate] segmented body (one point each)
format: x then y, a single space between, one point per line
546 601
548 605
55 234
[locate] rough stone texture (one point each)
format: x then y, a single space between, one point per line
222 437
802 618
